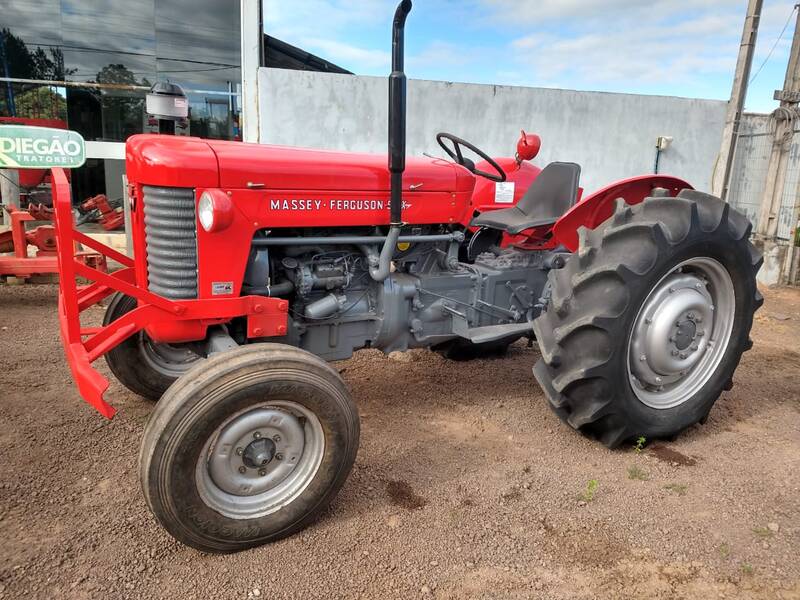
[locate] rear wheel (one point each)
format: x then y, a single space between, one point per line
648 321
140 364
249 447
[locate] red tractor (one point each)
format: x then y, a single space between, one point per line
256 265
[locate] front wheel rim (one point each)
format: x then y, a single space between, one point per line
167 359
681 333
260 459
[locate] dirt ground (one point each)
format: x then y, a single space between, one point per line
466 486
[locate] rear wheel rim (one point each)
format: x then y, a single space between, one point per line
681 333
241 477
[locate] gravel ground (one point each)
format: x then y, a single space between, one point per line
466 486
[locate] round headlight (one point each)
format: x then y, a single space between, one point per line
205 211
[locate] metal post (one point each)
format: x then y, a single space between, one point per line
733 117
252 33
9 191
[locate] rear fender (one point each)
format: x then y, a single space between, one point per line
598 207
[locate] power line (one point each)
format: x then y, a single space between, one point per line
775 45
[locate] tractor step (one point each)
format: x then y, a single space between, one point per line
494 333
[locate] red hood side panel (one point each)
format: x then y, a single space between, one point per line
170 161
285 168
193 162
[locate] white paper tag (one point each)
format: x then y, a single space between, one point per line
504 192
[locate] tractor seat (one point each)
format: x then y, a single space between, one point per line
551 195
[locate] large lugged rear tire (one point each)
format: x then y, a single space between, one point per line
141 365
250 446
647 322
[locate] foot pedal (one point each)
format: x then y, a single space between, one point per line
494 333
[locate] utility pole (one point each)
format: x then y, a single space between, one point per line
785 118
733 117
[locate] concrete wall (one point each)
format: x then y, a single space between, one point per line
611 136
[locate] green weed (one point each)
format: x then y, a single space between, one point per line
725 550
762 532
591 489
637 472
677 488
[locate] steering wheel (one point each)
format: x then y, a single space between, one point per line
458 156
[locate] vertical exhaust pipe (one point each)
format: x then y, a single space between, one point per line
397 141
397 111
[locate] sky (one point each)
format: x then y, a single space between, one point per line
662 47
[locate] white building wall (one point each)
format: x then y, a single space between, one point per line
611 136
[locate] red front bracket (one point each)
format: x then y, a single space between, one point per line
266 317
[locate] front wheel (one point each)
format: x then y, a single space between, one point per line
648 321
142 365
250 446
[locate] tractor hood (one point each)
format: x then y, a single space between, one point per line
194 162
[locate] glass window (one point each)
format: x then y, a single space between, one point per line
204 31
122 26
120 48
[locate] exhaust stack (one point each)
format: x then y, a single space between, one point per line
380 270
397 113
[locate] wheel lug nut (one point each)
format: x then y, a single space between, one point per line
279 456
239 452
276 438
262 472
683 355
642 358
675 353
242 469
658 380
257 434
695 348
701 333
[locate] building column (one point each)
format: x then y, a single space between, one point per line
252 50
9 191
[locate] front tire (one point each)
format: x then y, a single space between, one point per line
141 365
249 447
648 321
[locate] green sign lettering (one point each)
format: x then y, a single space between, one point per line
24 147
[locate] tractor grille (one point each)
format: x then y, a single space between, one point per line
171 237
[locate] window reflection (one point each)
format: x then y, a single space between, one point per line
103 55
123 46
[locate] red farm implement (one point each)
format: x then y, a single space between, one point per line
16 240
